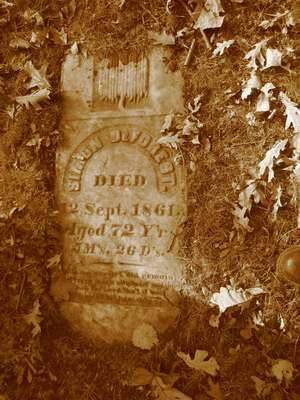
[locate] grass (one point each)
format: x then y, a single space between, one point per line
59 364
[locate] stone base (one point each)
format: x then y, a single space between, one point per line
115 322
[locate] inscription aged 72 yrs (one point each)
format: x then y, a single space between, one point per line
123 201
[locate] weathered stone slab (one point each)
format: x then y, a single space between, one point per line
121 197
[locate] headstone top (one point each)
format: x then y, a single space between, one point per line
141 87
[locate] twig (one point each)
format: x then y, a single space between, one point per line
150 13
190 53
21 291
206 41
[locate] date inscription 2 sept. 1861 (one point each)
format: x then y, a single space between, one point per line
123 205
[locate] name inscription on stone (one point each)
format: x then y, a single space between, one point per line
123 203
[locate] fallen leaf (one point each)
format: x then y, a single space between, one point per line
34 318
229 296
292 112
263 101
214 320
144 337
163 38
34 98
214 390
167 122
36 142
240 220
198 362
251 119
38 77
255 56
222 46
246 332
190 127
249 194
262 388
277 204
194 108
283 371
164 391
140 377
210 17
59 37
19 43
252 83
273 58
268 161
170 140
257 318
53 261
182 32
196 140
269 23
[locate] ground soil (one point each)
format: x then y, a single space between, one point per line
56 363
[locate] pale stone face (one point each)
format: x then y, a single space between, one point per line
122 199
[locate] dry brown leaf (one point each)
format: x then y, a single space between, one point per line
140 377
214 390
163 391
262 388
198 362
19 43
34 318
283 371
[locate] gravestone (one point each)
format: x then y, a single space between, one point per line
122 199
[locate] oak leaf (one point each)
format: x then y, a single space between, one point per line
255 56
229 296
34 318
292 112
34 98
209 366
38 77
222 46
277 204
252 83
263 101
268 162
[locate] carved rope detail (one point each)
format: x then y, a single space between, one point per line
124 82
